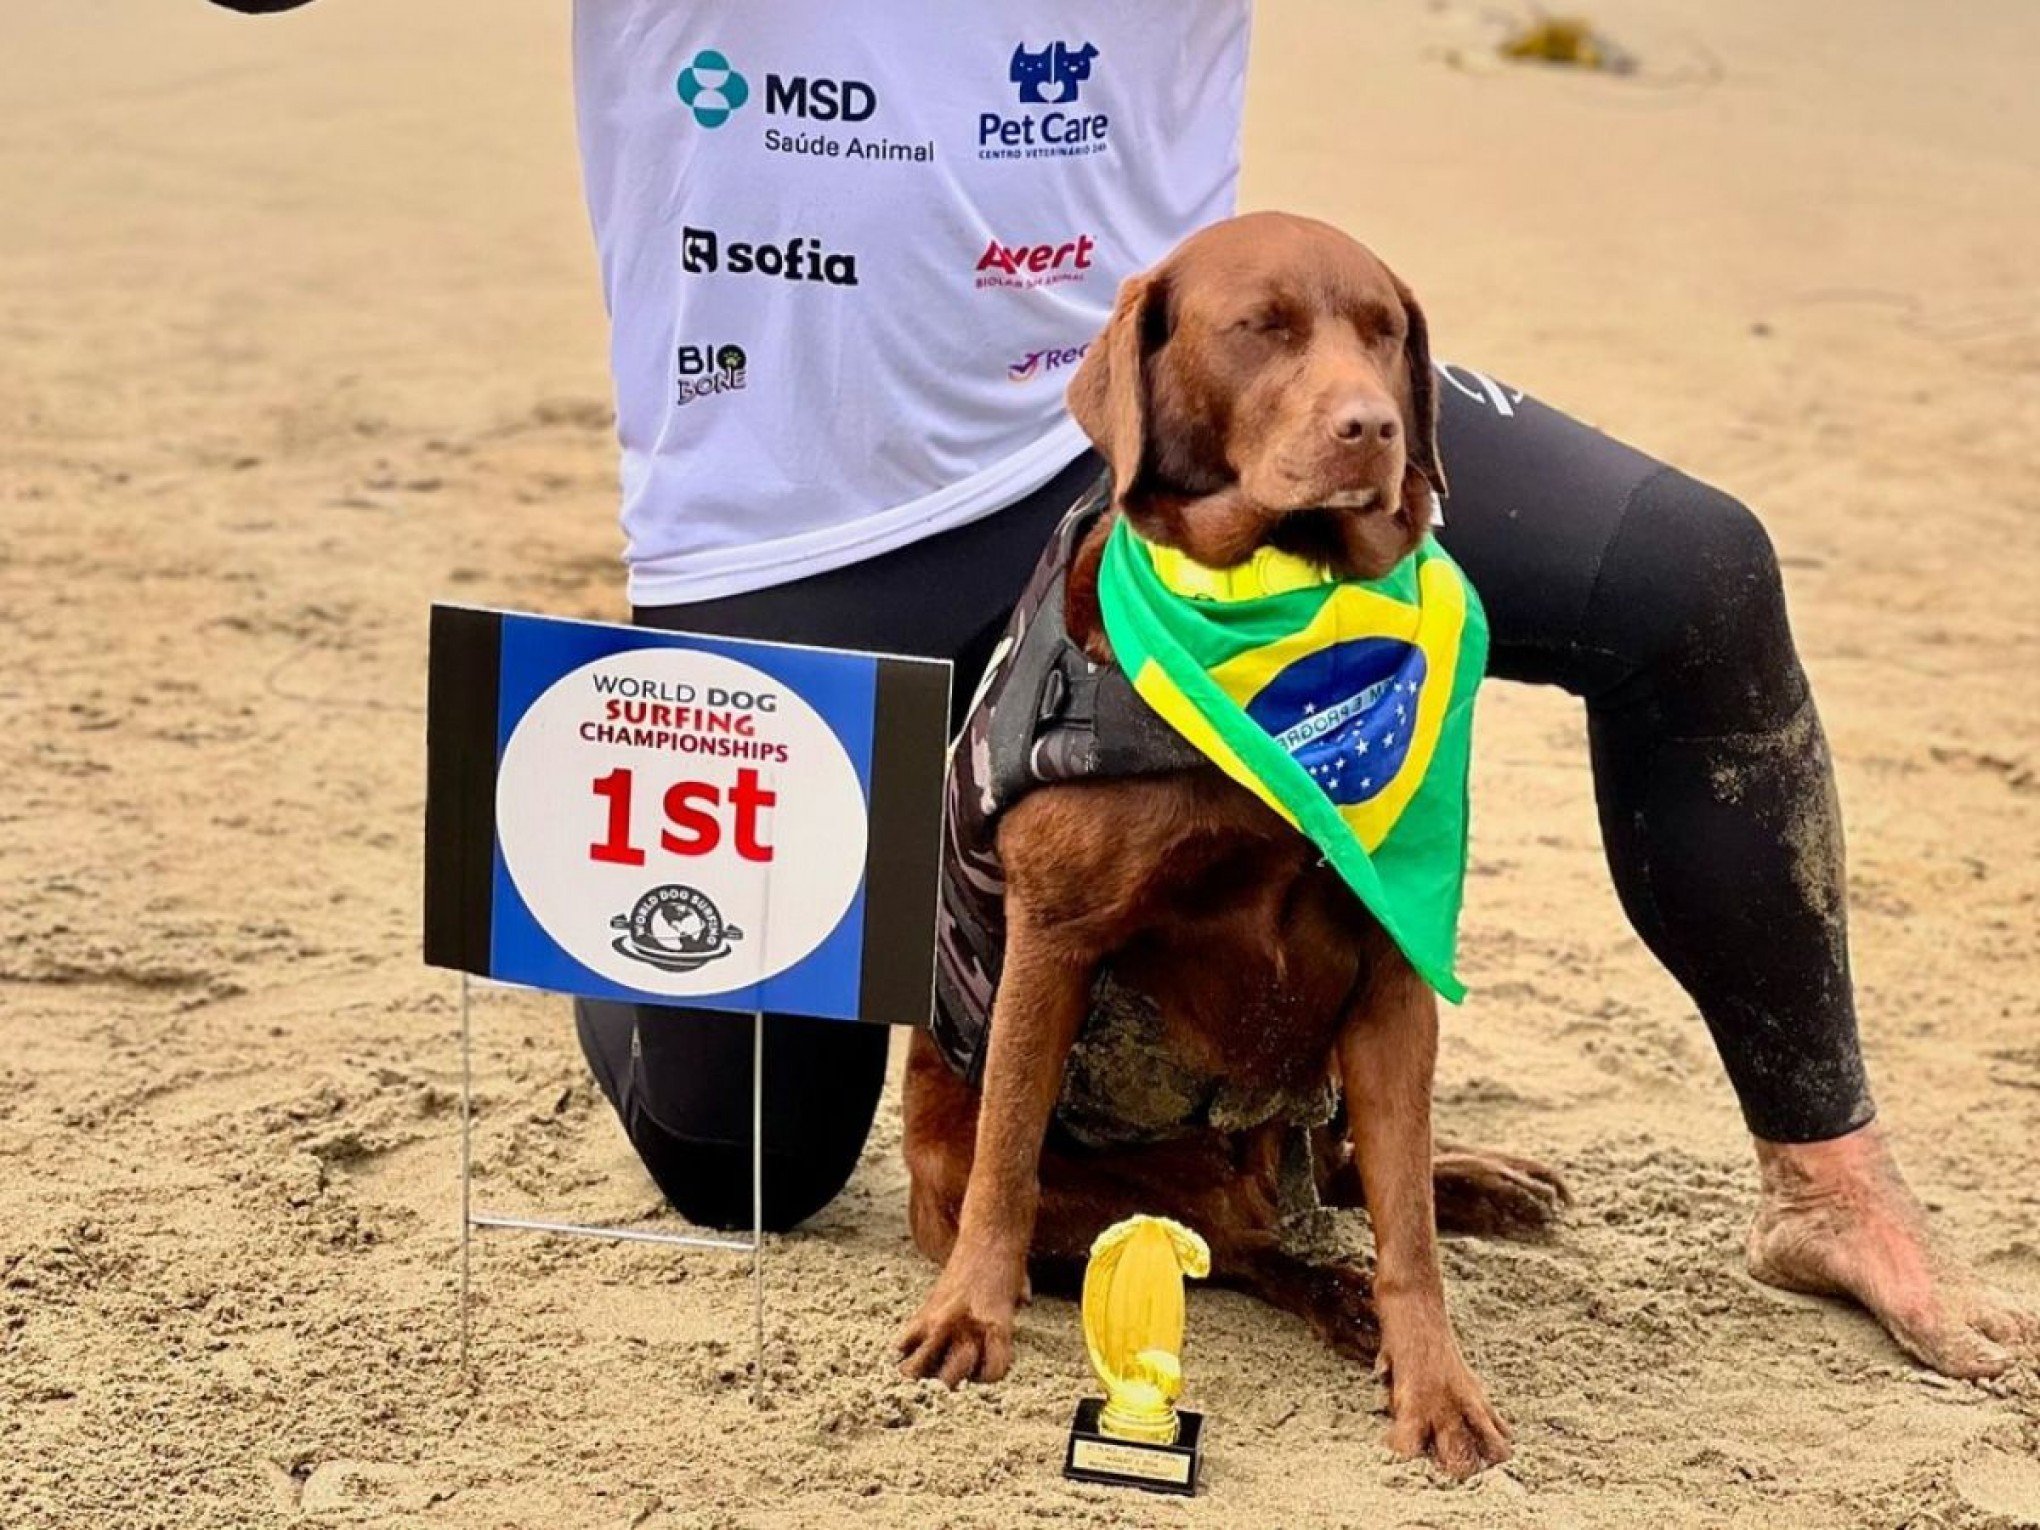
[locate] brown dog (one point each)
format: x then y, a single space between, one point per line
1269 383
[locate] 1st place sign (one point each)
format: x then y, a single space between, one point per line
619 812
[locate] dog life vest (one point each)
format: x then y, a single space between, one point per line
1345 705
1047 713
852 254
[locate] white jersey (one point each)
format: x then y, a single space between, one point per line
852 253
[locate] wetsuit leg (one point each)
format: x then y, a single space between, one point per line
680 1079
1658 601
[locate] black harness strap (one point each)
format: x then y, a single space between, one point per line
1046 714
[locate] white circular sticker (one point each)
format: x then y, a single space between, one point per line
680 822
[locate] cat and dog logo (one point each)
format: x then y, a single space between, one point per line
1058 66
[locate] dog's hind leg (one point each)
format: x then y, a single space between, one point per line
1480 1190
1477 1190
940 1130
1222 1187
1335 1297
1228 1189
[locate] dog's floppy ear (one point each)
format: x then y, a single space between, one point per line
1108 396
1423 393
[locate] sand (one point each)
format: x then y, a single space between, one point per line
300 331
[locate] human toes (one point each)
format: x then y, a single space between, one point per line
2010 1323
1945 1342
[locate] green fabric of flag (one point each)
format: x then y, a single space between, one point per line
1345 705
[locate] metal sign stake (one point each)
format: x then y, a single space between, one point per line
471 1219
758 1208
467 1166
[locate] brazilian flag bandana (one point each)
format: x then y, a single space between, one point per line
1346 705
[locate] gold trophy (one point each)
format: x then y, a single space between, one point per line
1133 1326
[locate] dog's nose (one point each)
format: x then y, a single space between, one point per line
1365 422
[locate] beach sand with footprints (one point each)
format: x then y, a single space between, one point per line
301 332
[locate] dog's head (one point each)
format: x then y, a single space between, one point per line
1268 384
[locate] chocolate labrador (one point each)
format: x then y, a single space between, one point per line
1269 383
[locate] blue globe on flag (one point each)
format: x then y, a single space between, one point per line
1347 714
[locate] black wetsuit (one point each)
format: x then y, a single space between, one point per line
1653 598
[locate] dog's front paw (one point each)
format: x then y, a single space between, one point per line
1441 1410
963 1332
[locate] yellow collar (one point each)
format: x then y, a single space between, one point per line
1269 571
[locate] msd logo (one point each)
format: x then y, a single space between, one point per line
1025 266
819 100
714 91
1041 363
711 89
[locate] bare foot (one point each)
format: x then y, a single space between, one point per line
1837 1219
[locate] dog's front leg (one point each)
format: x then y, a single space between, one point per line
1387 1054
964 1329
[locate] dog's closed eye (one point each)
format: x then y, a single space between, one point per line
1267 324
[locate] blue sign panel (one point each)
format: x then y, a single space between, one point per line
658 817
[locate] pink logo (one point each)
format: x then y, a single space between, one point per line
1039 363
1035 265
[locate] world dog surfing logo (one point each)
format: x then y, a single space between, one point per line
683 792
674 928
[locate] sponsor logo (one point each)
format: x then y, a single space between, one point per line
1041 363
714 91
1058 67
819 100
703 252
706 371
1053 76
711 89
1036 265
674 928
1481 388
821 146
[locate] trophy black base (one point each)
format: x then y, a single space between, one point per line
1098 1457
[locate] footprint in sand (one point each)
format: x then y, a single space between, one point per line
2002 1485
